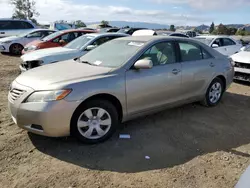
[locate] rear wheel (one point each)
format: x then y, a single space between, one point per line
94 121
214 93
16 49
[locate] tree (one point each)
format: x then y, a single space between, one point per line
79 23
104 23
24 9
211 29
222 30
232 31
172 28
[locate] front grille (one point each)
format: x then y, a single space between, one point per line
15 94
242 65
242 76
30 64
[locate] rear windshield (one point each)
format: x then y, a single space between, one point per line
206 41
51 36
113 53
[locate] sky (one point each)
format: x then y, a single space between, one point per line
177 12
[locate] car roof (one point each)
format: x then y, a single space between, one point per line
42 30
152 38
212 36
106 34
77 30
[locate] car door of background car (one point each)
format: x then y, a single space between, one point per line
197 69
36 35
230 46
147 89
221 48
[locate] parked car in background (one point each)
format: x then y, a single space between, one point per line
117 81
109 30
59 38
15 44
149 32
129 31
172 34
242 65
61 26
72 50
12 27
223 44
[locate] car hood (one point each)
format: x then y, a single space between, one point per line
243 57
49 52
60 74
8 38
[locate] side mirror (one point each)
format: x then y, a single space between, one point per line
215 46
90 47
143 64
62 42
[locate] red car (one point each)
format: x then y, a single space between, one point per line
59 38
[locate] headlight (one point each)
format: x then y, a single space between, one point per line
46 96
33 47
6 42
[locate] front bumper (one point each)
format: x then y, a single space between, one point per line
242 74
43 118
3 48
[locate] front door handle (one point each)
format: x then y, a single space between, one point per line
212 65
176 71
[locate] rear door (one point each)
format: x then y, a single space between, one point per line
230 46
197 69
148 89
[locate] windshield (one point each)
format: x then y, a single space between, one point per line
79 42
112 54
206 41
123 30
51 36
247 49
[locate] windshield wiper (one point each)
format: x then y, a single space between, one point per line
86 62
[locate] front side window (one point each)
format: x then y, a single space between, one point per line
218 42
228 42
160 54
36 34
190 52
101 41
62 37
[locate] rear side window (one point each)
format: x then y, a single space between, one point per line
190 52
4 25
8 25
228 42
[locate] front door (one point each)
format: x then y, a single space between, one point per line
151 88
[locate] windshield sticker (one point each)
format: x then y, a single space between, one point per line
97 62
138 44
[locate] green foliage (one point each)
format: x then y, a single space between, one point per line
197 31
79 23
104 23
223 30
24 9
242 32
212 28
172 28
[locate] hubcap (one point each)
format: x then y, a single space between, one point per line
94 123
215 92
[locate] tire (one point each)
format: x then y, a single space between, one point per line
88 118
16 49
216 88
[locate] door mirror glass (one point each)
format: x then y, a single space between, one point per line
143 64
215 46
90 47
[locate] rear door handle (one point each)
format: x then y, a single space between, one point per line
176 71
212 64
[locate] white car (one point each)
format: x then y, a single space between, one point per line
72 50
11 27
242 65
223 44
15 44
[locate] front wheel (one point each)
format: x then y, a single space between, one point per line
16 49
214 93
94 121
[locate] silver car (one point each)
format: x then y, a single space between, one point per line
119 80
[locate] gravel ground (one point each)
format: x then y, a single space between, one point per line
190 146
